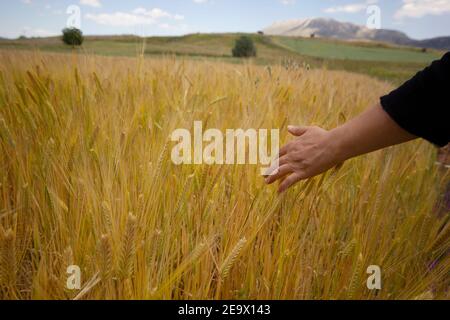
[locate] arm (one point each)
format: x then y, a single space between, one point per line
370 131
315 150
419 108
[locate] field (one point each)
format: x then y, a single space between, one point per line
356 51
385 62
86 179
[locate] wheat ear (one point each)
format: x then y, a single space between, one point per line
356 277
231 259
128 247
105 257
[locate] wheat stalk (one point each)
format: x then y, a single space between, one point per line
128 247
428 295
106 214
8 263
356 278
228 263
105 257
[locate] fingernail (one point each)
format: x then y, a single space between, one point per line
291 127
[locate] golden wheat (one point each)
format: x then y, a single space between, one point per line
84 141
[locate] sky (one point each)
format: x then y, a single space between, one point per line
418 18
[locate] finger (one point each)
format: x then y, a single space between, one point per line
289 182
284 149
283 160
277 163
297 131
272 169
280 173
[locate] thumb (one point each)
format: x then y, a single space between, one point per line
297 131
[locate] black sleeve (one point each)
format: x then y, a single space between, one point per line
421 106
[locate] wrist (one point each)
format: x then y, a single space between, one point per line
339 144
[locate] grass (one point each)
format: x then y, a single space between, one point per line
385 62
86 179
357 51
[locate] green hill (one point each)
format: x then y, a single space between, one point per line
379 60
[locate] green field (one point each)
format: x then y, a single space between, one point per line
390 63
356 51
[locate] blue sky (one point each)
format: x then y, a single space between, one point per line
418 18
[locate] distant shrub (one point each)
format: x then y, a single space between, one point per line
244 48
72 37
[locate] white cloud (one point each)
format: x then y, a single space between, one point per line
26 1
91 3
351 8
37 32
201 1
154 13
287 2
420 8
119 19
138 16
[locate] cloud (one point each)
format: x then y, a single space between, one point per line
201 1
351 8
420 8
119 19
138 16
287 2
91 3
157 13
26 1
37 32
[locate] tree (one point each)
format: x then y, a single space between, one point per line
244 48
72 37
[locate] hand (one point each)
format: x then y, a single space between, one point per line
313 152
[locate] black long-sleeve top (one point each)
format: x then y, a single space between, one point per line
421 106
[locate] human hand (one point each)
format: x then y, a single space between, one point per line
312 152
315 150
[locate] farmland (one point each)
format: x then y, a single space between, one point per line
385 62
86 179
356 51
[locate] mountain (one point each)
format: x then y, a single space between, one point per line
440 43
330 28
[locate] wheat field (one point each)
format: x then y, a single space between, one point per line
86 179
